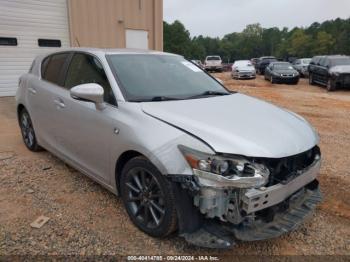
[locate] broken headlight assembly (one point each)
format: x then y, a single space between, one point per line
225 172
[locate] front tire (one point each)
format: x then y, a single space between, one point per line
148 198
331 85
27 130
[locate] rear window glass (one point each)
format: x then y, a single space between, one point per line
213 58
52 68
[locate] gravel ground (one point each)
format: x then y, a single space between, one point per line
86 219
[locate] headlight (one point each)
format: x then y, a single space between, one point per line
219 171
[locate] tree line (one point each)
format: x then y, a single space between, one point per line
329 37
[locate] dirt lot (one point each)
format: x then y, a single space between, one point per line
87 219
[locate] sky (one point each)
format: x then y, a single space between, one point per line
216 18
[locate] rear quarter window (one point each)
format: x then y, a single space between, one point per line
52 68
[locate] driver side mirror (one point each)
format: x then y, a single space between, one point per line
89 92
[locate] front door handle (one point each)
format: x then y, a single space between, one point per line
59 103
32 90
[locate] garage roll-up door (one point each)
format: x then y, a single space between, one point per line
28 28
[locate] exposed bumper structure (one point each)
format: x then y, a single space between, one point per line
258 199
301 206
231 212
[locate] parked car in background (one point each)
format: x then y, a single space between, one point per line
302 66
330 71
263 63
281 72
213 63
227 67
185 154
254 61
198 63
243 69
314 62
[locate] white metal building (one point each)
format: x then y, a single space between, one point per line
22 24
32 27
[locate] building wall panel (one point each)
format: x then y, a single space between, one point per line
103 23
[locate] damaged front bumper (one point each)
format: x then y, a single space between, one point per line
231 212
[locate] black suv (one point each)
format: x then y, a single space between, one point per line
330 71
263 63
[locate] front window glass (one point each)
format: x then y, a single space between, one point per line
85 69
144 77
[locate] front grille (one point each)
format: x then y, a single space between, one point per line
346 79
287 75
282 170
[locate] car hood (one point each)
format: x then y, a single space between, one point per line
238 124
245 68
284 71
340 69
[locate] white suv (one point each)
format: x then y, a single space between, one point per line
213 63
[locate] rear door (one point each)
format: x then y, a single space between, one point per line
323 70
42 97
86 132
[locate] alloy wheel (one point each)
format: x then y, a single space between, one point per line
145 198
27 130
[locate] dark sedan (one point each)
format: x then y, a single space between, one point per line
281 72
263 63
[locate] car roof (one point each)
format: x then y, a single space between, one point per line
101 51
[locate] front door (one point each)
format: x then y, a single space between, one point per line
86 131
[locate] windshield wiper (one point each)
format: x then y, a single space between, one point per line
163 98
209 93
154 99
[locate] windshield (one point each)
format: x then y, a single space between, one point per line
284 66
243 63
306 61
340 61
268 61
213 58
145 77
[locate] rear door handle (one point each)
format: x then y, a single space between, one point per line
59 103
32 90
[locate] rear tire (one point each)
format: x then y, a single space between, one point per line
148 198
27 130
311 79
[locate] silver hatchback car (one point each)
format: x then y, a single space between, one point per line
183 152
